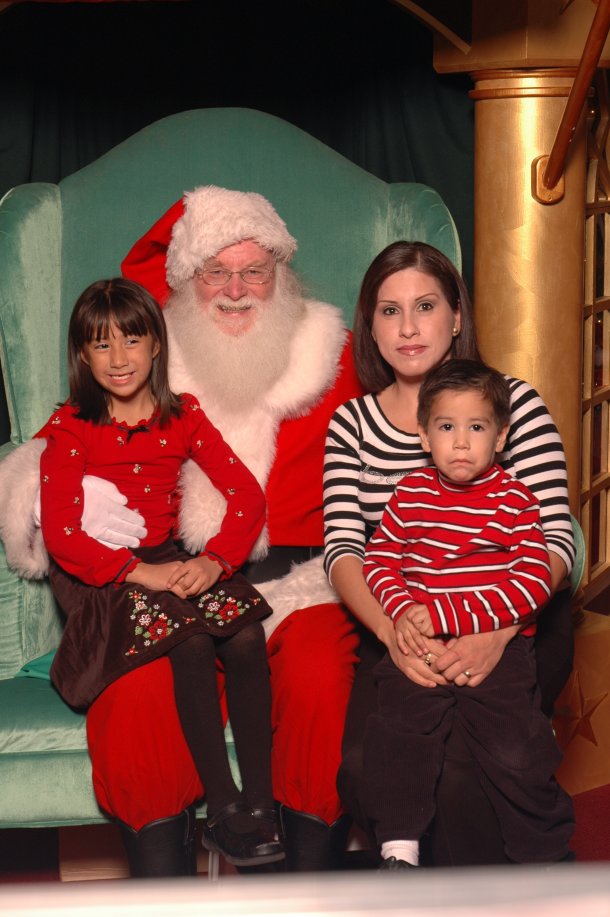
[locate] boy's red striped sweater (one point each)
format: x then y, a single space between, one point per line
473 553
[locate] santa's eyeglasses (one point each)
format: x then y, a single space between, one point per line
253 276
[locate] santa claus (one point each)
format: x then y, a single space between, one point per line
269 366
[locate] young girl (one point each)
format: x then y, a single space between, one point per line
125 608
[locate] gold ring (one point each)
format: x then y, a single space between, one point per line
468 674
428 659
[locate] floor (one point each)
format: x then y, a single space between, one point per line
33 855
29 855
69 854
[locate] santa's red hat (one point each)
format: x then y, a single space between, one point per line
196 228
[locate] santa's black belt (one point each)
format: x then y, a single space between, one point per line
278 562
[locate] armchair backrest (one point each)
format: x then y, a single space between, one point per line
56 239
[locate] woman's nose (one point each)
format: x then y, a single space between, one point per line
408 325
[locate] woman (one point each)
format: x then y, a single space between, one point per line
414 313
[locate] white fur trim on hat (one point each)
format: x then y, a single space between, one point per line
217 217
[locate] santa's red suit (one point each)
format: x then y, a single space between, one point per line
142 768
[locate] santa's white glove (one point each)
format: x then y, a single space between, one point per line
105 515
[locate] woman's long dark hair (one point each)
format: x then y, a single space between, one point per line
373 371
135 312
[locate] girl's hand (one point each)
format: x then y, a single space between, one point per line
477 654
156 576
195 576
413 667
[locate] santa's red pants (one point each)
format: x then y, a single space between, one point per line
143 770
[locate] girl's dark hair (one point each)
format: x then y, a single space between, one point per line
373 371
135 312
465 376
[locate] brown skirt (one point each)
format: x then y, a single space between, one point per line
112 629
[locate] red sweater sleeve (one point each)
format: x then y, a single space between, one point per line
245 514
383 564
62 466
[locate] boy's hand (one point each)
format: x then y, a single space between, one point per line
156 576
408 634
419 616
194 576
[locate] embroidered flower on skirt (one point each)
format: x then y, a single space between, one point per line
152 624
223 608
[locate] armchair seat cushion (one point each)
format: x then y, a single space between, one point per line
45 772
35 720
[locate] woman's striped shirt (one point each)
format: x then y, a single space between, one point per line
366 456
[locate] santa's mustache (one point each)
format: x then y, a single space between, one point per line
228 305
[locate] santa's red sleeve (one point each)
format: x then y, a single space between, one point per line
294 513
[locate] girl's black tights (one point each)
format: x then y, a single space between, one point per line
244 659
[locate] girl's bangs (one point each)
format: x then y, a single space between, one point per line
129 319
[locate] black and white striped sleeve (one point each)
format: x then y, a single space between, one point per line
534 453
344 526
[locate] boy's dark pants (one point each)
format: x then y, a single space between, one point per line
509 737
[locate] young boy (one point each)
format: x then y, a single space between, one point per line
460 550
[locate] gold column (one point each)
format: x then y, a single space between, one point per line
528 269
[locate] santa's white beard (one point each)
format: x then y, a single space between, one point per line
237 369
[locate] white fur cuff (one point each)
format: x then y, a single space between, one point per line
19 486
306 585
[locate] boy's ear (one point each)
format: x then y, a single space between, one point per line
501 440
424 438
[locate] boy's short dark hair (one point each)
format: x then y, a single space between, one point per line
465 376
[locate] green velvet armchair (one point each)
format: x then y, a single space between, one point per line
55 240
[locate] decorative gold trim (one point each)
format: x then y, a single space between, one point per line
516 74
520 93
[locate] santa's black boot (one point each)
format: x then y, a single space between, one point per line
311 844
162 848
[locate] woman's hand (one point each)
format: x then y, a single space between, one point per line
475 654
195 576
415 668
349 582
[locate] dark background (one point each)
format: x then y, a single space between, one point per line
78 78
